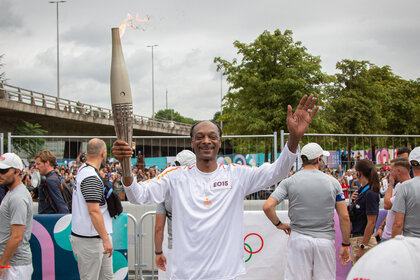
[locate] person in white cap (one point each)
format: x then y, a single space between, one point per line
163 210
407 201
398 258
312 195
208 198
15 222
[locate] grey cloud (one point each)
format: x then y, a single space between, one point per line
8 17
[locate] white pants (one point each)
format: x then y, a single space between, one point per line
20 272
309 258
166 274
92 263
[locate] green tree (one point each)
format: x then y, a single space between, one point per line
369 99
274 72
170 114
28 146
402 109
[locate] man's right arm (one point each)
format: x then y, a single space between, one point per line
269 207
388 194
159 227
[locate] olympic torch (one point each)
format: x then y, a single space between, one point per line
122 103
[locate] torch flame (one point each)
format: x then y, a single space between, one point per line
128 21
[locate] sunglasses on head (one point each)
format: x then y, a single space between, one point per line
414 163
4 171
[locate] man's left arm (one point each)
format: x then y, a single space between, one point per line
99 225
343 217
54 189
398 225
298 122
12 244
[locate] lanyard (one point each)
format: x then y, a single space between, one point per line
364 189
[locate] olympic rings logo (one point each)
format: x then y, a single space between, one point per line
248 248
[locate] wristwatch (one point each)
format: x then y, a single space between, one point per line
362 246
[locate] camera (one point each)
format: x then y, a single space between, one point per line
82 158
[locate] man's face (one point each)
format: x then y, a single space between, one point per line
394 172
7 176
206 141
43 167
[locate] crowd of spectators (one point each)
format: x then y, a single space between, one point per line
112 173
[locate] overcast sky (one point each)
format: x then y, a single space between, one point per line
190 33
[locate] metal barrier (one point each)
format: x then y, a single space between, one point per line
136 242
140 230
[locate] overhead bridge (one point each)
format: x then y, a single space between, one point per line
60 116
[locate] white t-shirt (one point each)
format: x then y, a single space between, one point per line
207 213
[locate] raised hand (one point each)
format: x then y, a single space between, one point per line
298 122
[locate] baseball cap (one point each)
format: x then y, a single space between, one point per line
313 150
10 160
185 157
414 155
397 258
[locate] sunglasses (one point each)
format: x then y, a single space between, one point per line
414 163
4 171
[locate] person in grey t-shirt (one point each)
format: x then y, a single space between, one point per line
163 210
312 196
15 222
407 201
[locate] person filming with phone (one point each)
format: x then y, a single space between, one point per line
364 209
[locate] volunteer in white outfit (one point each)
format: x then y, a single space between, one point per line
207 199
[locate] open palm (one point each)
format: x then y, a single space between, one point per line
298 122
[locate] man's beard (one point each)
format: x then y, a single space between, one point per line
103 163
9 183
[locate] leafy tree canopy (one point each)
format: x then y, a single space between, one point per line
369 99
29 146
274 72
171 114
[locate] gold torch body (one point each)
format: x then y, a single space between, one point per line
121 100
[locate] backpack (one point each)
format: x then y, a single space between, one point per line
65 189
112 199
67 193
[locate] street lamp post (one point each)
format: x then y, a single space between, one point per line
221 99
153 83
58 49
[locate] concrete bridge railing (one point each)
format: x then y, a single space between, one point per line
30 97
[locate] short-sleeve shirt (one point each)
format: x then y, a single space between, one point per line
407 202
367 205
312 197
16 209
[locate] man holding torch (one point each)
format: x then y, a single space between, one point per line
207 199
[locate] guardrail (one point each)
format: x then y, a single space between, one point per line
30 97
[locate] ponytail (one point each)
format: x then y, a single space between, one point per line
374 180
368 169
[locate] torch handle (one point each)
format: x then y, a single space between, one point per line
123 123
